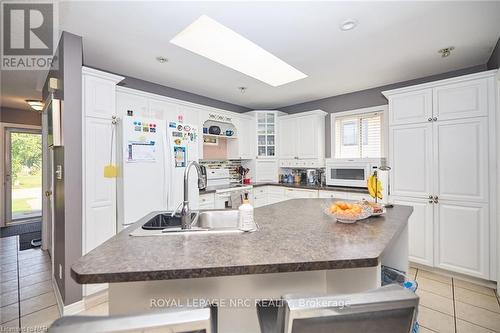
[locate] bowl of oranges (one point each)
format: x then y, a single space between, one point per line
348 212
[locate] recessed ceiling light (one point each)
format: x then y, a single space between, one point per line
445 52
212 40
242 89
161 59
348 25
35 104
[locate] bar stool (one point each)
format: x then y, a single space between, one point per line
188 320
386 309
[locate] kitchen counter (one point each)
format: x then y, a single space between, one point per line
289 185
294 235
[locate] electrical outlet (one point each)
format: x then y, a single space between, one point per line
60 272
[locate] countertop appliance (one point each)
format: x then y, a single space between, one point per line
155 153
351 172
311 176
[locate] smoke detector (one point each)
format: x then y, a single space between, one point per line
242 89
445 52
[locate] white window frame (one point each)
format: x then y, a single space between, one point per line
383 109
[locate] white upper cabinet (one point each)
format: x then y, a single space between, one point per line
410 152
461 238
461 100
244 146
461 159
420 229
302 136
99 93
288 138
411 107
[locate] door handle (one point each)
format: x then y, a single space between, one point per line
48 193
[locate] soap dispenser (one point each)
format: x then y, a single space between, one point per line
245 215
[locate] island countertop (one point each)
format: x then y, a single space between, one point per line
295 235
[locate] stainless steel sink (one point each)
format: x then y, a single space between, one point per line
207 221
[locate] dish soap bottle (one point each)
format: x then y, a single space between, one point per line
246 221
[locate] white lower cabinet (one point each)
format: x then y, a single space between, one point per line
461 238
296 193
207 201
420 230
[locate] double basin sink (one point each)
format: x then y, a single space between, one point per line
212 221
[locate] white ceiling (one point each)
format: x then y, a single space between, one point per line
394 41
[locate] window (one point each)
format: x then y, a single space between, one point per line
358 135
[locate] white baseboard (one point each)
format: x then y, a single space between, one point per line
80 306
482 282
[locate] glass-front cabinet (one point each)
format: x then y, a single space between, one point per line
266 134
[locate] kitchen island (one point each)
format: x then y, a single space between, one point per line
298 249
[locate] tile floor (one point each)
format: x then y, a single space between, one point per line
453 305
27 297
446 304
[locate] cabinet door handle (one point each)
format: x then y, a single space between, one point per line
430 201
431 197
435 118
436 197
429 119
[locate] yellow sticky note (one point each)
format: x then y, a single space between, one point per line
110 171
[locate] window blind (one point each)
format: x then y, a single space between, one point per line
358 136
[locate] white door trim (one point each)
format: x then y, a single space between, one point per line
3 126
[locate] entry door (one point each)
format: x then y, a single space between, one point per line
23 175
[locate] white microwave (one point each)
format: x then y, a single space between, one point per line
351 172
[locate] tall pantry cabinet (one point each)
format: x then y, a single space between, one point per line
442 153
99 146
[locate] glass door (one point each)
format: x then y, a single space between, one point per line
266 134
23 177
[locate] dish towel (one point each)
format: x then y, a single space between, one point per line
236 199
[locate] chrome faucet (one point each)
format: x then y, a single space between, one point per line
185 210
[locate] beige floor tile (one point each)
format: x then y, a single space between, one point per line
435 320
9 298
466 327
9 260
434 276
36 289
43 317
27 270
34 278
473 287
477 299
423 329
10 325
9 312
478 316
98 310
8 275
8 267
37 303
8 286
436 302
31 253
434 286
412 272
33 261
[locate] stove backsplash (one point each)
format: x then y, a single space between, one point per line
232 165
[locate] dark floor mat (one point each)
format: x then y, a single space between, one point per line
25 239
26 231
22 228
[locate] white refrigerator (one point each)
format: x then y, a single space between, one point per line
155 154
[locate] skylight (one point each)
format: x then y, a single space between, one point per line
218 43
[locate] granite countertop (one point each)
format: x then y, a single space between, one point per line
294 235
290 185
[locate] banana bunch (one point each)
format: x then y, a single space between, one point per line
374 187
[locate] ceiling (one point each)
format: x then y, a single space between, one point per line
393 42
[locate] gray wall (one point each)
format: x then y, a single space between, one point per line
16 116
365 98
494 61
154 88
68 192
